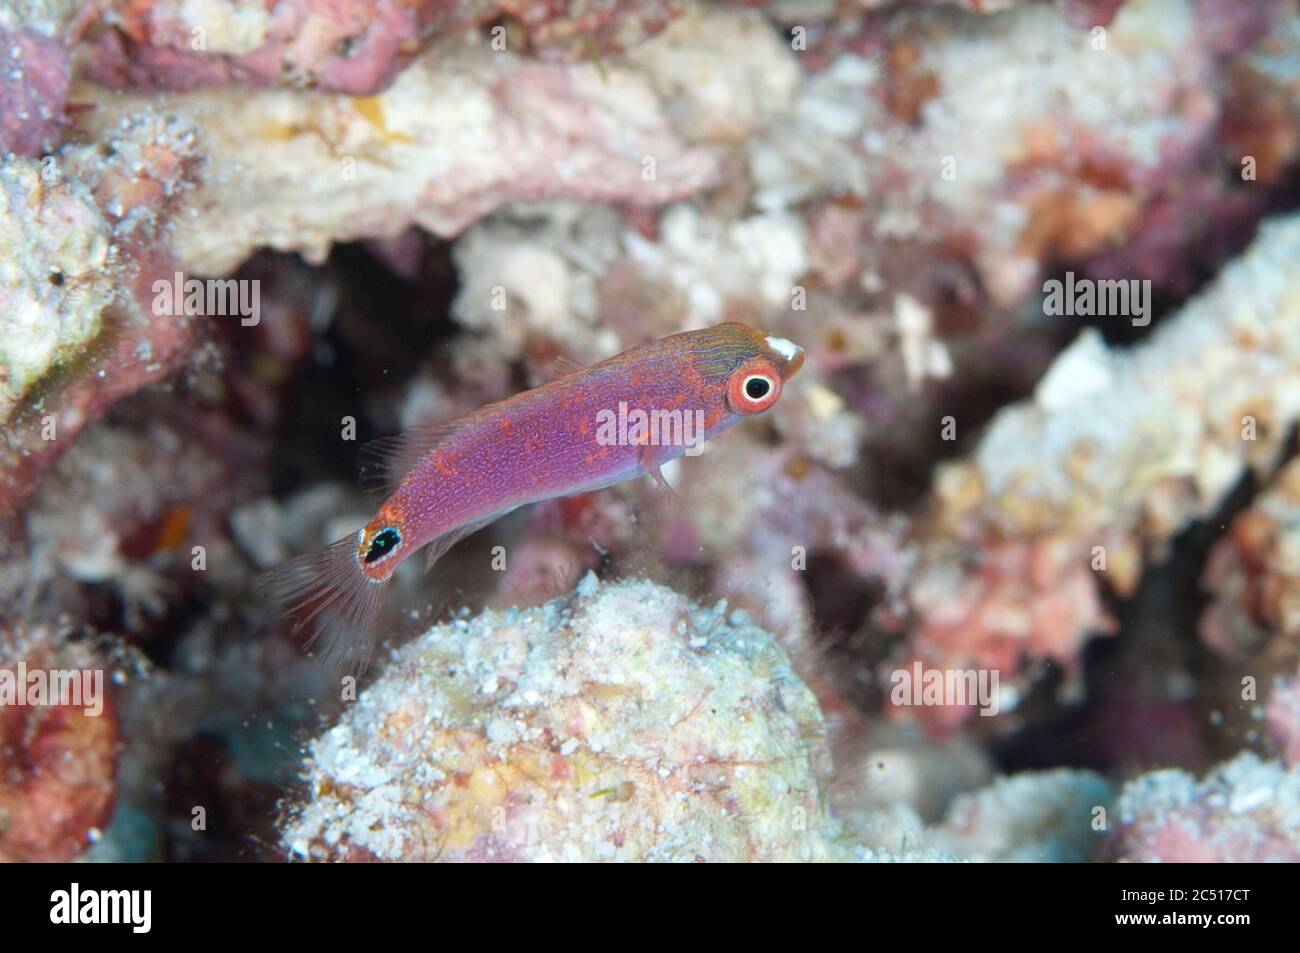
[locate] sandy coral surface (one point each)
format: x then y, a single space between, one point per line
626 723
621 724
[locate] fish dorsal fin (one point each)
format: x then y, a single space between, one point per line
564 366
386 462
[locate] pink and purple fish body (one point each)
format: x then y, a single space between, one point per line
591 428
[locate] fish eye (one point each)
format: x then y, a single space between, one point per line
753 389
384 542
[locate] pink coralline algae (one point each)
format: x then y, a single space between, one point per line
57 760
354 46
1245 811
33 87
350 47
462 131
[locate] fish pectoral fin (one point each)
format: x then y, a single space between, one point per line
439 545
651 464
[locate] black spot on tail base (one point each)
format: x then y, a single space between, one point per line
385 541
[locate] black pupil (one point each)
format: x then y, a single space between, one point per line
756 388
383 544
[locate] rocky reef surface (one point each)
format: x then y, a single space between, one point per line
621 724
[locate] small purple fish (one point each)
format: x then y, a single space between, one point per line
593 427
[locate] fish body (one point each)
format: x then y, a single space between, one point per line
593 427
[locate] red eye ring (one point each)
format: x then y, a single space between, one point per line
753 388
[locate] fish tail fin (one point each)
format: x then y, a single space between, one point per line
328 594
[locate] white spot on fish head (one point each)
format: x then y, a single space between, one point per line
791 355
787 349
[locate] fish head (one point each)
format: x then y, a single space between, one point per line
752 366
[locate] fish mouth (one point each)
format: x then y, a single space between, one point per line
789 355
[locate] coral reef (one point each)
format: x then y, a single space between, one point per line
1243 812
1061 498
59 753
82 252
623 724
43 325
1254 573
1032 817
566 732
900 798
433 202
460 132
356 47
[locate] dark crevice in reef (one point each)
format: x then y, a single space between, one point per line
848 647
896 470
1200 242
1154 684
384 326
